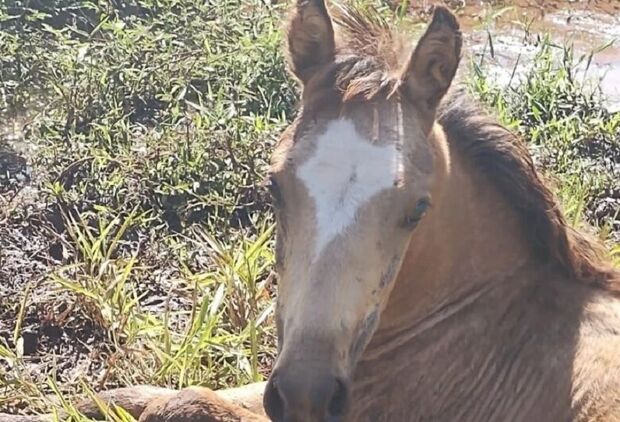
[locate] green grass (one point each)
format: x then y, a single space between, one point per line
135 235
144 235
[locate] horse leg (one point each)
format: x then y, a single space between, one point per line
249 396
133 399
199 404
245 402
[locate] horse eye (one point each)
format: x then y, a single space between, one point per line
414 218
274 190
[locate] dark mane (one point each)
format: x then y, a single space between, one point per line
369 55
505 158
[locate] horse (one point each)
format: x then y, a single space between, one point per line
426 271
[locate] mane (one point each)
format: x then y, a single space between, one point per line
504 157
367 65
369 54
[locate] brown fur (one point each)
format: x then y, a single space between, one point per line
504 157
311 39
371 59
368 60
155 404
133 399
197 405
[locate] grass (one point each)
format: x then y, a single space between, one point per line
135 235
137 222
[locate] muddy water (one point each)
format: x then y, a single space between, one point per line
516 28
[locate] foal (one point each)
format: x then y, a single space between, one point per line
426 273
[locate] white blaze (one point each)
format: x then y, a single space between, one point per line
345 171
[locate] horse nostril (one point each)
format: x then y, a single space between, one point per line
273 401
340 400
305 395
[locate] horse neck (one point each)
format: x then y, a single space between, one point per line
470 239
471 249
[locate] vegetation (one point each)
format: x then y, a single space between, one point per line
135 234
136 237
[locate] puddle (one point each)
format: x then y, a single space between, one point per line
516 28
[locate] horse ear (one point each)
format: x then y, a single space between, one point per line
310 38
433 64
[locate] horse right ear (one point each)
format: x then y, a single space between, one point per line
433 64
310 37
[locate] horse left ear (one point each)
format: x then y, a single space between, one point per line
310 37
433 64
